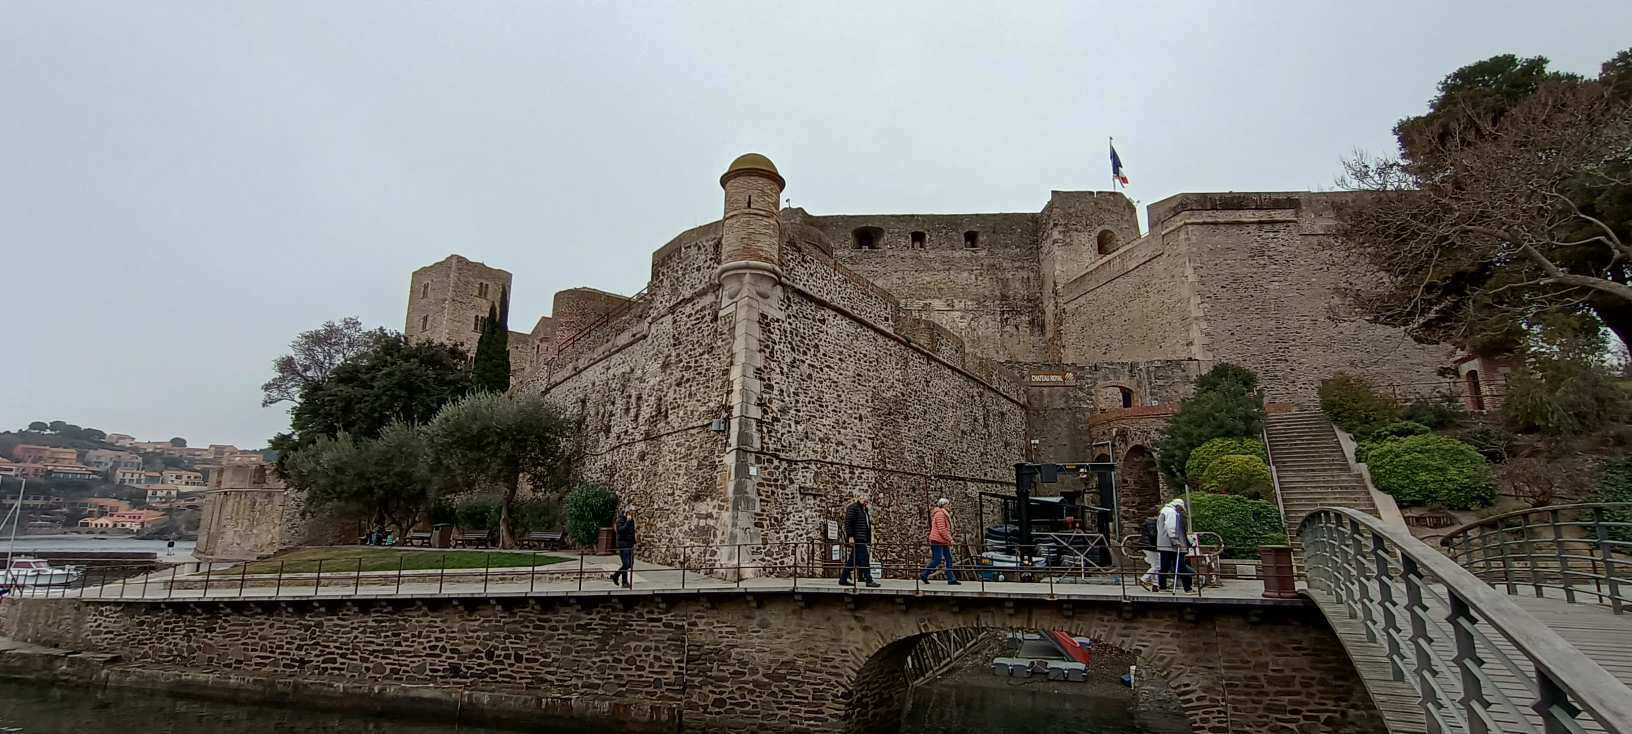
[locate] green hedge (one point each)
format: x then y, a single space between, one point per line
1244 523
1247 476
590 507
1204 455
1354 406
1615 485
1388 432
1432 469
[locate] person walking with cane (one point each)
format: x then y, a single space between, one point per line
858 533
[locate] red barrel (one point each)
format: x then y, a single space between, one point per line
1279 581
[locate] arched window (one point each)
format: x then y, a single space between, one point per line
971 239
1126 395
424 323
918 240
424 290
1107 242
867 238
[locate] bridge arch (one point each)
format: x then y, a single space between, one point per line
881 687
1233 670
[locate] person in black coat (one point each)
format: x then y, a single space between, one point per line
858 535
625 530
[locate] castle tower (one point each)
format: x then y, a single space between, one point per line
448 299
750 277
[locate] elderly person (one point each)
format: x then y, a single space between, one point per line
1171 544
858 535
940 542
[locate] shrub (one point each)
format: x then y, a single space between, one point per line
1354 406
1615 485
1436 413
590 507
1247 476
537 514
1418 470
1204 455
1243 522
480 513
1398 429
1562 398
1227 407
1491 440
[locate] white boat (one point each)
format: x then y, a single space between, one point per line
26 572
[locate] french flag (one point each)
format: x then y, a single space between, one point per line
1117 171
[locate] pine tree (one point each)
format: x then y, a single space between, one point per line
491 372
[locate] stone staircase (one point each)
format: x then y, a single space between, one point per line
1312 469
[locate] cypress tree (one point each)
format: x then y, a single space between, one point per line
491 371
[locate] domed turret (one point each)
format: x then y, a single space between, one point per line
751 232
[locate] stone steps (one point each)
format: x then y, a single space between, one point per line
1311 469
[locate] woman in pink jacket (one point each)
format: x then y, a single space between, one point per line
940 542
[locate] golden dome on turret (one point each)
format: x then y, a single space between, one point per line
752 163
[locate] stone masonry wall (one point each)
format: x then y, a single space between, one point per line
445 299
726 664
1133 305
849 406
989 295
1270 281
646 390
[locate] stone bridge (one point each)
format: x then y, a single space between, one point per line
819 659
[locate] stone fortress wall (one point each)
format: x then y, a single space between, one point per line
780 362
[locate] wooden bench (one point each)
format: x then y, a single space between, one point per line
469 538
420 539
541 540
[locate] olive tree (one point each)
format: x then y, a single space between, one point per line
489 440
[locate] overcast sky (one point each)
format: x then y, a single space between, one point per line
184 186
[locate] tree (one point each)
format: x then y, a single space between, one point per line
56 425
91 434
491 370
314 354
1223 406
1512 195
490 440
178 442
39 426
387 477
393 380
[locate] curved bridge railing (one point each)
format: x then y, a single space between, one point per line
1574 552
1477 662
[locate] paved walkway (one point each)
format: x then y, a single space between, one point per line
650 579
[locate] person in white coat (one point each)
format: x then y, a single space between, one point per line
1172 545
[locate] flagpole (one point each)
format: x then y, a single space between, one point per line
1110 145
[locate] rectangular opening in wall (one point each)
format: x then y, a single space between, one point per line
424 323
424 290
867 238
481 290
918 239
971 239
478 326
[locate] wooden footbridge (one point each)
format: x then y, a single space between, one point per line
1516 624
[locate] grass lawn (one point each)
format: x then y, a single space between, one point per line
344 560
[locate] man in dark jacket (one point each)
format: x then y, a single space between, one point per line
625 530
858 534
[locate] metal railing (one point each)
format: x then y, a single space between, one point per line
1477 662
787 566
1576 550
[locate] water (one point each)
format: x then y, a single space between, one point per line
1005 707
37 709
71 543
957 705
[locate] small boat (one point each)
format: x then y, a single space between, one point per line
26 572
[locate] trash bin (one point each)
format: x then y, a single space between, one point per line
603 542
441 536
1279 583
